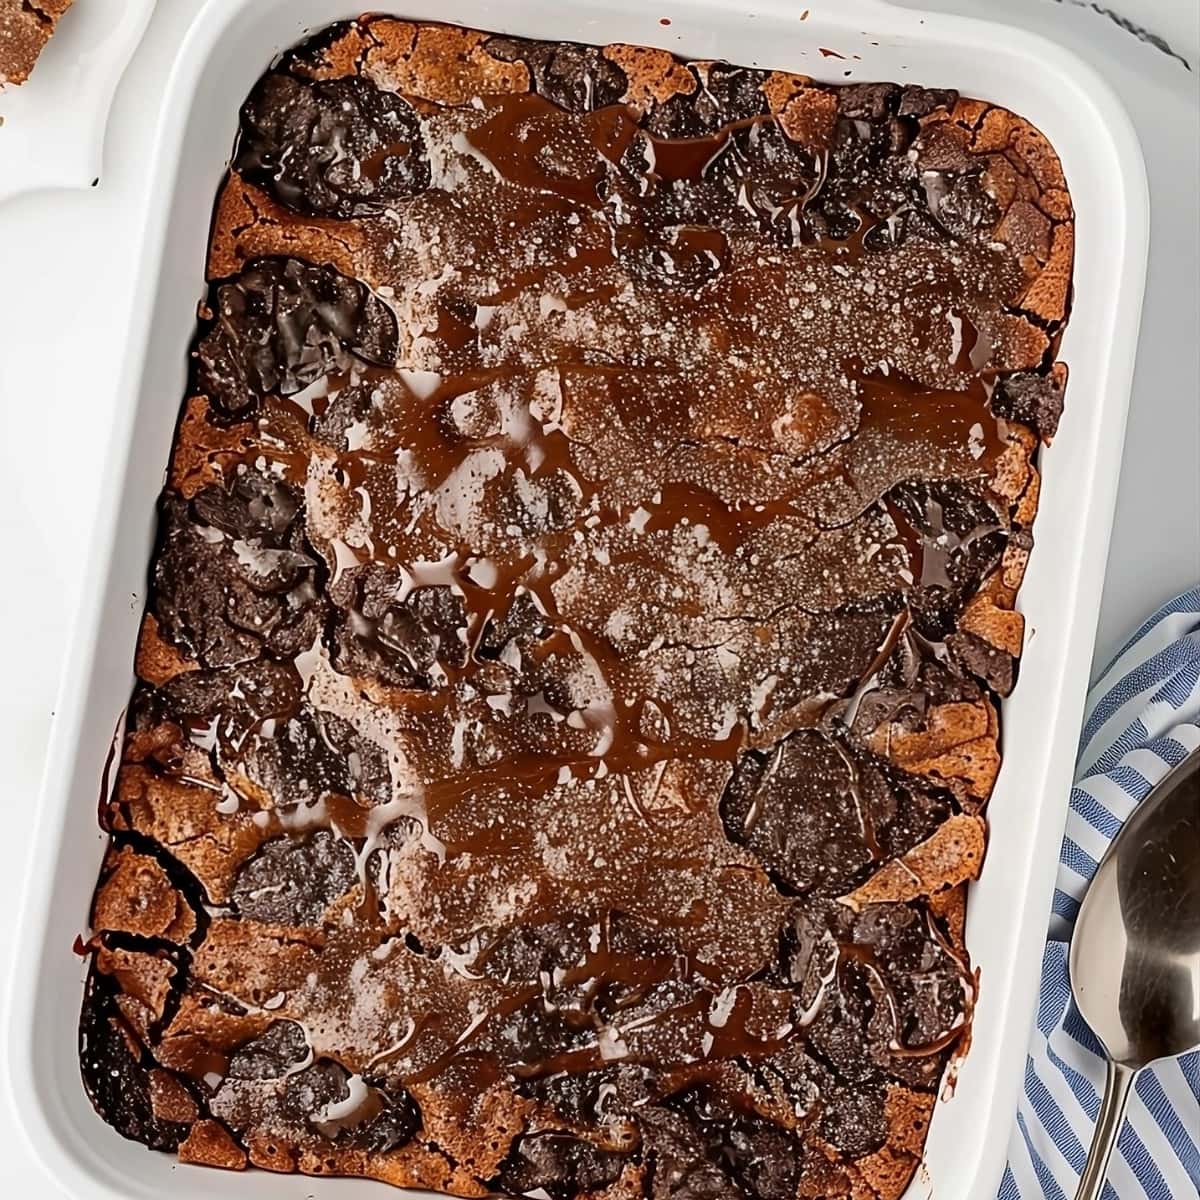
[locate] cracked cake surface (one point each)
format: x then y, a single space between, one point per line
585 586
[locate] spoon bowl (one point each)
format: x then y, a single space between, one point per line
1135 954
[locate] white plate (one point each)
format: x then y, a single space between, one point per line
52 126
228 46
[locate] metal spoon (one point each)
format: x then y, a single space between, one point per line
1135 956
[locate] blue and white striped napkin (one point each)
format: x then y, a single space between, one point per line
1143 716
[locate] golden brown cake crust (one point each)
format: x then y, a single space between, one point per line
586 585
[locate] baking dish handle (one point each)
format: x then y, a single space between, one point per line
853 9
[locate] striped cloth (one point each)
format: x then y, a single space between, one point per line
1143 716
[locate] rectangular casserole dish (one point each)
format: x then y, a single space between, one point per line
228 45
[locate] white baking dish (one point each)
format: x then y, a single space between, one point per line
229 44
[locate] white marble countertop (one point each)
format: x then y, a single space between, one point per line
64 265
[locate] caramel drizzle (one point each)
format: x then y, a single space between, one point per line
520 140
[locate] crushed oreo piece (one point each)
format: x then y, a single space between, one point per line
244 584
272 1055
797 808
312 756
395 1124
401 642
986 662
233 700
282 324
726 94
576 78
1032 397
114 1071
920 102
293 883
331 148
559 1163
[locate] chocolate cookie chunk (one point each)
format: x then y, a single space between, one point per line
397 641
273 1083
226 592
269 1085
576 78
990 664
816 812
758 1157
334 148
251 505
802 810
725 95
677 1160
310 756
852 1117
345 411
926 980
271 1056
293 883
115 1074
559 1163
232 701
920 102
890 986
962 536
395 1121
1032 397
522 623
282 324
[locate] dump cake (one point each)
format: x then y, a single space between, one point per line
585 583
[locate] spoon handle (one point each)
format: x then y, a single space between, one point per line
1108 1127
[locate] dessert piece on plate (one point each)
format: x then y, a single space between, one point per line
25 28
